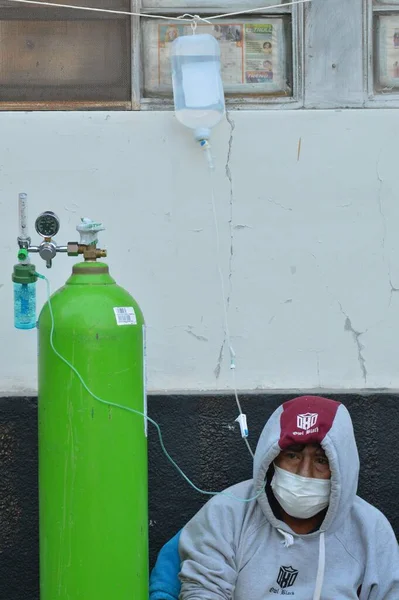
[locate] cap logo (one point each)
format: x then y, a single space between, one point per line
306 423
307 420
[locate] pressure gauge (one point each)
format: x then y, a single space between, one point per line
47 224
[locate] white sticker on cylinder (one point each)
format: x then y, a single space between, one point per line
125 315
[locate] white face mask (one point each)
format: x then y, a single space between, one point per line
300 497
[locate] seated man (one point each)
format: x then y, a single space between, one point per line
308 535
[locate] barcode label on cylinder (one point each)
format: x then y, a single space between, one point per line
125 315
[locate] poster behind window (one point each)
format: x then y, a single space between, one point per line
253 55
388 53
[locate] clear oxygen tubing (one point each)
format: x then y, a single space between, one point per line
137 412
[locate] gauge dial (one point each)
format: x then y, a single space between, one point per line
47 224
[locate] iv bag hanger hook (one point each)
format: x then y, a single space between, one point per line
195 19
194 23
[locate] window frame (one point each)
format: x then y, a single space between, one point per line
140 102
316 90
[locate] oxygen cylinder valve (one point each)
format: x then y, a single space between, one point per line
88 230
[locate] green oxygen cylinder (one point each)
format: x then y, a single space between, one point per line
92 457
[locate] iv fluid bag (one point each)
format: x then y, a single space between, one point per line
197 83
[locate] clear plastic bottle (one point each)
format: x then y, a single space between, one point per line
197 83
24 279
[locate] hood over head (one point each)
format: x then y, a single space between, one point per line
312 420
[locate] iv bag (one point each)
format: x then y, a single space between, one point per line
197 84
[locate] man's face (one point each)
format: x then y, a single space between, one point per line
307 460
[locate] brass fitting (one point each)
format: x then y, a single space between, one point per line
92 253
89 252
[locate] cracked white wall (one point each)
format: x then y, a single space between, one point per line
308 209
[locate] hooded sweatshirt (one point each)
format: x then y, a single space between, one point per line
235 550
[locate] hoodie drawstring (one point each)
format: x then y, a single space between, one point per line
288 538
320 568
289 541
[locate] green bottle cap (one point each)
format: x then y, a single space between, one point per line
24 274
22 254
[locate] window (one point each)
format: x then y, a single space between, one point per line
56 58
59 58
383 68
260 53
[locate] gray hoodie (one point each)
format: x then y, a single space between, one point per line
243 551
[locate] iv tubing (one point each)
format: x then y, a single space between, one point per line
207 149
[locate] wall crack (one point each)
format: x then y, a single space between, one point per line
380 180
231 230
201 338
356 337
280 205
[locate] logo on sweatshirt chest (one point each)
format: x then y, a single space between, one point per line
285 579
306 423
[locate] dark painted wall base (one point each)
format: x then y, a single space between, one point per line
200 434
